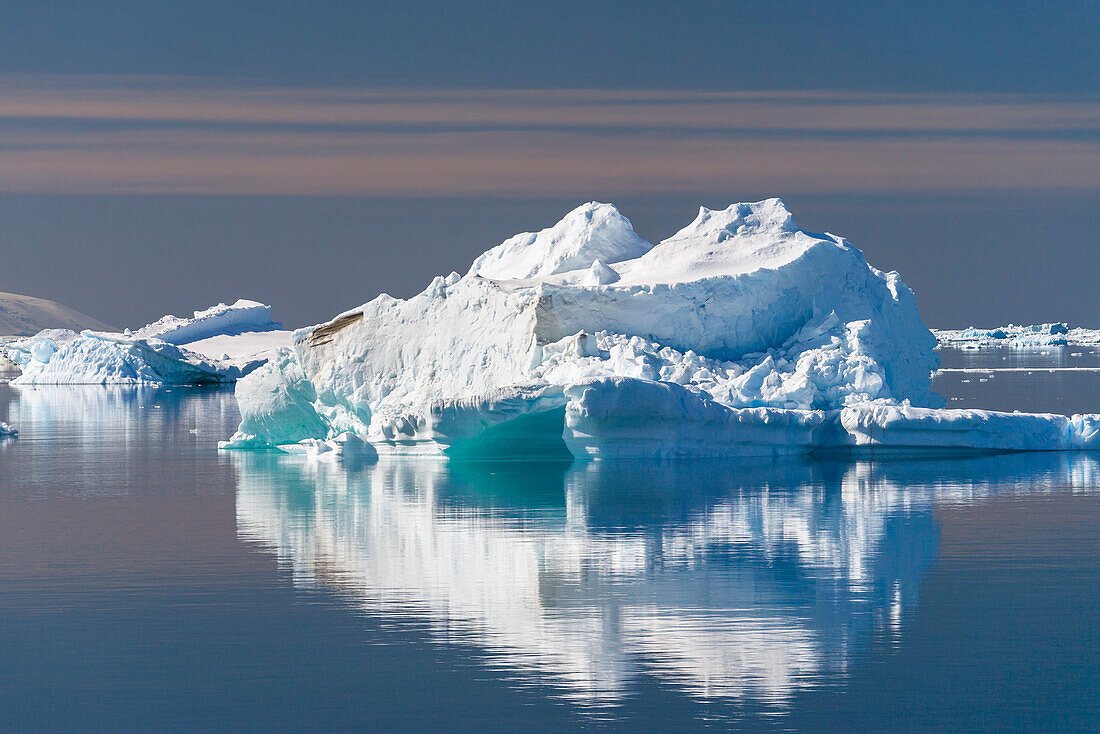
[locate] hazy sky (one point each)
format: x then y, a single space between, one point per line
157 157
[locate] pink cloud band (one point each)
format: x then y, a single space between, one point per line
96 135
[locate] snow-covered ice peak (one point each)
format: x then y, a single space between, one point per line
720 225
592 231
742 238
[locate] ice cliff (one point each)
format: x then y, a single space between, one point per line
218 344
739 335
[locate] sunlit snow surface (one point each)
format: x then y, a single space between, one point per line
218 344
740 335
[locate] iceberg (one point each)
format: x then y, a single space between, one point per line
7 430
740 335
218 344
1057 334
242 317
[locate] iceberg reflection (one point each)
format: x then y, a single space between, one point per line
111 439
724 579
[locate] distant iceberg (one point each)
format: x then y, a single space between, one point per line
740 335
1057 334
218 344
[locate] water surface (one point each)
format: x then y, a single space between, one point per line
149 582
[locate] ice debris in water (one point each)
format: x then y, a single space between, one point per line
6 429
218 344
739 335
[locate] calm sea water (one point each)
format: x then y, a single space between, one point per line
149 582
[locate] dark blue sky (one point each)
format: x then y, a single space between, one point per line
975 46
157 157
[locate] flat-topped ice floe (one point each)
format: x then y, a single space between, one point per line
218 344
739 335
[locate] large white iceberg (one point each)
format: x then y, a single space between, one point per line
739 335
218 344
